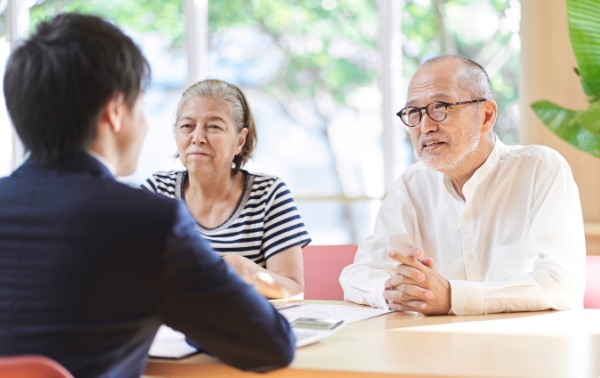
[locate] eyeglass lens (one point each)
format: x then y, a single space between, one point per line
436 110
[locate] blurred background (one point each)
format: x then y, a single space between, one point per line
324 79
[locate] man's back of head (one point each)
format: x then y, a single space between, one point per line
57 82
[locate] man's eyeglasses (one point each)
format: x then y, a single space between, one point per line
436 110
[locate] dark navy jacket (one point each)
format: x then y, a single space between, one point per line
90 268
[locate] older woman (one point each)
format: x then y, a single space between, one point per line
249 218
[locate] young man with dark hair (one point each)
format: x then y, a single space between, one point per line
89 267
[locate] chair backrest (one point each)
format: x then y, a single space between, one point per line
592 282
322 267
31 366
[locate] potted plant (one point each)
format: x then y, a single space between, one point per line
579 128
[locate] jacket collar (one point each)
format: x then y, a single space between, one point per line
79 161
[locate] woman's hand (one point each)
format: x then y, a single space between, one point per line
283 279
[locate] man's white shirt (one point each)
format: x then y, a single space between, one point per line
515 243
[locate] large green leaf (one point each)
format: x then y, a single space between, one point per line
589 119
565 123
583 17
582 128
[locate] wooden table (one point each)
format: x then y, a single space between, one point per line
534 344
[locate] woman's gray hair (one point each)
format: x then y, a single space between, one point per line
240 112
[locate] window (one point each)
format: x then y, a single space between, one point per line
311 70
323 77
486 31
12 26
5 129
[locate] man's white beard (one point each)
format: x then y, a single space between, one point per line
450 162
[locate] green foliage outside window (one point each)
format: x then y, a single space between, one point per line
317 59
427 26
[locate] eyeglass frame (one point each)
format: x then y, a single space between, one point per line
446 106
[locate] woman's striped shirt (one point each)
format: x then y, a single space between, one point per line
264 222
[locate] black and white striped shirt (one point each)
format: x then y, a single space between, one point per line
264 222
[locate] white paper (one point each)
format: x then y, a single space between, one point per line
349 314
169 343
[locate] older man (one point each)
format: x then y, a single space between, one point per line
476 226
90 267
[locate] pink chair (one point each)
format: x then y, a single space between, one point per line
31 366
591 298
322 267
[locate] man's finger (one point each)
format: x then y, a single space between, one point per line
405 292
415 306
428 262
416 253
412 276
406 260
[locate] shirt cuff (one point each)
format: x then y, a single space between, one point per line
371 295
466 298
375 297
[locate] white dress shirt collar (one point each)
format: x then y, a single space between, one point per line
480 174
103 161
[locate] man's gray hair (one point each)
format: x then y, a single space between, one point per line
472 77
